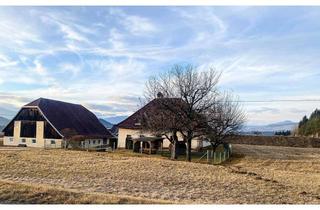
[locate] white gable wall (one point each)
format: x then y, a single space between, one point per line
40 141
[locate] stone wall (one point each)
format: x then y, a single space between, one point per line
276 141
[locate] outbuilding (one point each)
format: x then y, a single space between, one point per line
48 123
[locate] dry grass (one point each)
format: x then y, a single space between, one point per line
90 177
24 193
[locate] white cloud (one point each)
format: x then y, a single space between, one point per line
136 25
6 61
204 23
13 32
116 39
69 29
39 68
69 67
139 25
71 34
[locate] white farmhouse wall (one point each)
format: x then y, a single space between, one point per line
135 133
89 143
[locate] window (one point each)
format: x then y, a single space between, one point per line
34 141
89 141
11 139
94 142
53 142
23 140
98 141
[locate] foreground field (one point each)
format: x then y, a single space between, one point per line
256 174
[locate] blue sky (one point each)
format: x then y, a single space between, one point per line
102 56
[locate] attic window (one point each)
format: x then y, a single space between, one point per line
137 123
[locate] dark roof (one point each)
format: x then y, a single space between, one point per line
132 122
64 116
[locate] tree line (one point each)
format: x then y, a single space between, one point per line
282 133
309 126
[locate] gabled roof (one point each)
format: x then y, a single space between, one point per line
64 116
132 122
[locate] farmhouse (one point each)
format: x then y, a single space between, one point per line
55 124
131 135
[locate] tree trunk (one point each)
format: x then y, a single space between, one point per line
214 146
174 147
174 150
188 152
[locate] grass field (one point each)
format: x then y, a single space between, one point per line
255 174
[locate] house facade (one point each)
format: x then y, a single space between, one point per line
130 130
46 123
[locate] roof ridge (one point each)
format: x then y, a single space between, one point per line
53 100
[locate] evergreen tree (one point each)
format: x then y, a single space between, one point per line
310 126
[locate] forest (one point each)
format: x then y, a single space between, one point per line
309 126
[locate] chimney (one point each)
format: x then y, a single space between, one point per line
159 95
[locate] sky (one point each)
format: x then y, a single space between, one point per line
101 57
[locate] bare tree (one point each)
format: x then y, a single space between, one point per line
225 118
198 91
159 121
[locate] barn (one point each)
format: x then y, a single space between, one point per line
47 123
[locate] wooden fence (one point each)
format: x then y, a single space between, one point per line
218 157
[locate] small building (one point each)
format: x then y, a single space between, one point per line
130 131
47 123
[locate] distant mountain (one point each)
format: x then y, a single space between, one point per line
3 123
106 124
269 129
115 120
287 124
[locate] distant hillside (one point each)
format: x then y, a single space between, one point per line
106 124
269 129
3 121
116 120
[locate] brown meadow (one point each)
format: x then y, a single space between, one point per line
254 175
